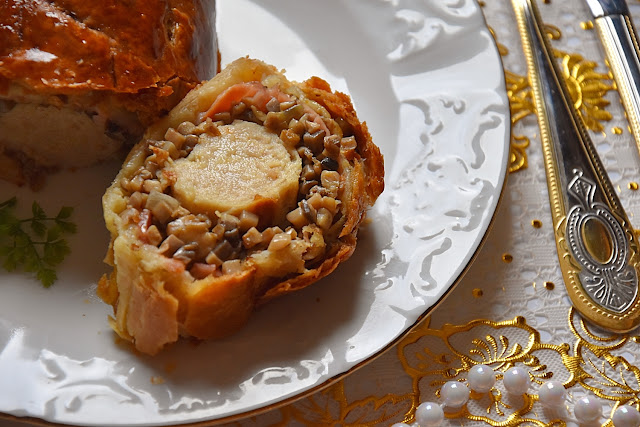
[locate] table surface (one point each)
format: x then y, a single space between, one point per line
511 308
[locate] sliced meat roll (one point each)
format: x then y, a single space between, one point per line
252 187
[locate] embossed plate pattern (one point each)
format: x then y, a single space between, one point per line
427 78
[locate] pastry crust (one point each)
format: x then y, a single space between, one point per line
93 76
158 294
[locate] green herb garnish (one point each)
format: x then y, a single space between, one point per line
35 244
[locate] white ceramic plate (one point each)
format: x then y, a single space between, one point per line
427 78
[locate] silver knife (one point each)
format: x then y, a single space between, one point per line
617 33
597 248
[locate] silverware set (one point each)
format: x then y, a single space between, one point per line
597 248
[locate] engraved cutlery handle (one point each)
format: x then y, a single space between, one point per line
597 248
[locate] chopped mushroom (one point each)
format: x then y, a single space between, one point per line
162 206
208 243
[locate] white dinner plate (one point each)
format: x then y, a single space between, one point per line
427 77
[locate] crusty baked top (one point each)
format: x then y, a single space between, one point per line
118 45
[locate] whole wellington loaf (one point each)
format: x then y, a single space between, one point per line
250 188
81 80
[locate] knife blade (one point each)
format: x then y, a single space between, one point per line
619 41
597 249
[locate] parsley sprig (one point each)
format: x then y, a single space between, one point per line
35 244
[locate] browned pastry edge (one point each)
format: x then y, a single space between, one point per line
66 46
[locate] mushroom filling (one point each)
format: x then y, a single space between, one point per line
216 243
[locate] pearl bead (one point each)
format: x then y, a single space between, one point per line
400 425
626 416
516 380
588 409
454 394
429 414
481 378
552 394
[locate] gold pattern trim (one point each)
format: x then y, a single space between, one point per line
430 357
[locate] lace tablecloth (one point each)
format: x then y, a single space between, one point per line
511 308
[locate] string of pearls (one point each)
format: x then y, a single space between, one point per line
517 381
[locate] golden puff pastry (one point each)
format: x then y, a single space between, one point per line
81 80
